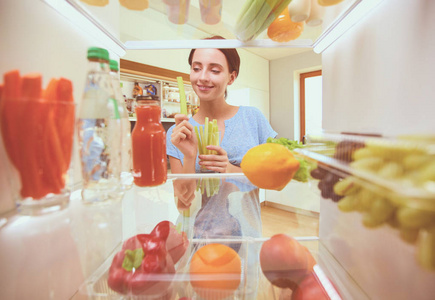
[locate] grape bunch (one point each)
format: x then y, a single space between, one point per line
413 218
328 176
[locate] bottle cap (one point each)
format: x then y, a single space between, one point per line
95 52
114 65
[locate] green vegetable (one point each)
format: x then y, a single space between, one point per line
256 16
305 166
133 259
183 105
208 135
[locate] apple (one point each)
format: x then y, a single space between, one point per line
284 261
310 288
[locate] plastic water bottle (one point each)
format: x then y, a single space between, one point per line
99 129
126 162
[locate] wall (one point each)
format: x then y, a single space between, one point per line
282 89
36 38
379 84
283 85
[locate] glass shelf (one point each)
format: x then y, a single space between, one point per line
151 29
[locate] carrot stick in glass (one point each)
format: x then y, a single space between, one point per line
29 129
65 119
52 150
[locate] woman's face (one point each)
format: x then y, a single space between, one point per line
210 74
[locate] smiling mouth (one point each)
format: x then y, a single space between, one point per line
204 88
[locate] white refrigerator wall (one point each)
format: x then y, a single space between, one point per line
378 78
40 260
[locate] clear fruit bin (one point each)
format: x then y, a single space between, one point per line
218 212
253 284
377 211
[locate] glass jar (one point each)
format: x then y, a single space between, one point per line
149 144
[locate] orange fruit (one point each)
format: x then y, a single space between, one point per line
283 29
215 271
269 166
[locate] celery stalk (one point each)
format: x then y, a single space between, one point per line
252 30
183 105
198 138
243 10
254 20
205 135
201 149
210 136
273 15
250 15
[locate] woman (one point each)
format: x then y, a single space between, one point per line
241 128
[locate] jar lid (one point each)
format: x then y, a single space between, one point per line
114 65
147 97
101 53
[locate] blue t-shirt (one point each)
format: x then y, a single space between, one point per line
246 129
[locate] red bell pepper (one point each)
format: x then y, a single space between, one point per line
176 242
145 264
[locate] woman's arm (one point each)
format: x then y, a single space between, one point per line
177 167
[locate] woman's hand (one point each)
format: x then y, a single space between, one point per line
183 137
184 193
218 162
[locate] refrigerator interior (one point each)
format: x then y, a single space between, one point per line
376 79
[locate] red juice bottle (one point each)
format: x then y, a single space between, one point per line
149 145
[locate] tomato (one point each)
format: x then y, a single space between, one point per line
284 261
310 288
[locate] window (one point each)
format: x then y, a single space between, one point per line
310 106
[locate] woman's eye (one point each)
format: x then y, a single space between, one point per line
215 71
196 69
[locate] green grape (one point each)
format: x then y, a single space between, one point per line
415 161
362 153
428 172
409 235
382 210
396 199
346 186
369 221
391 170
392 151
369 163
426 248
366 198
347 203
410 217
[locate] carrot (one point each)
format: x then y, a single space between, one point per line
10 115
31 86
52 150
30 129
65 119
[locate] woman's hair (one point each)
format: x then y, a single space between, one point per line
231 55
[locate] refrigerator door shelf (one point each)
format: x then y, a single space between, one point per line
378 210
